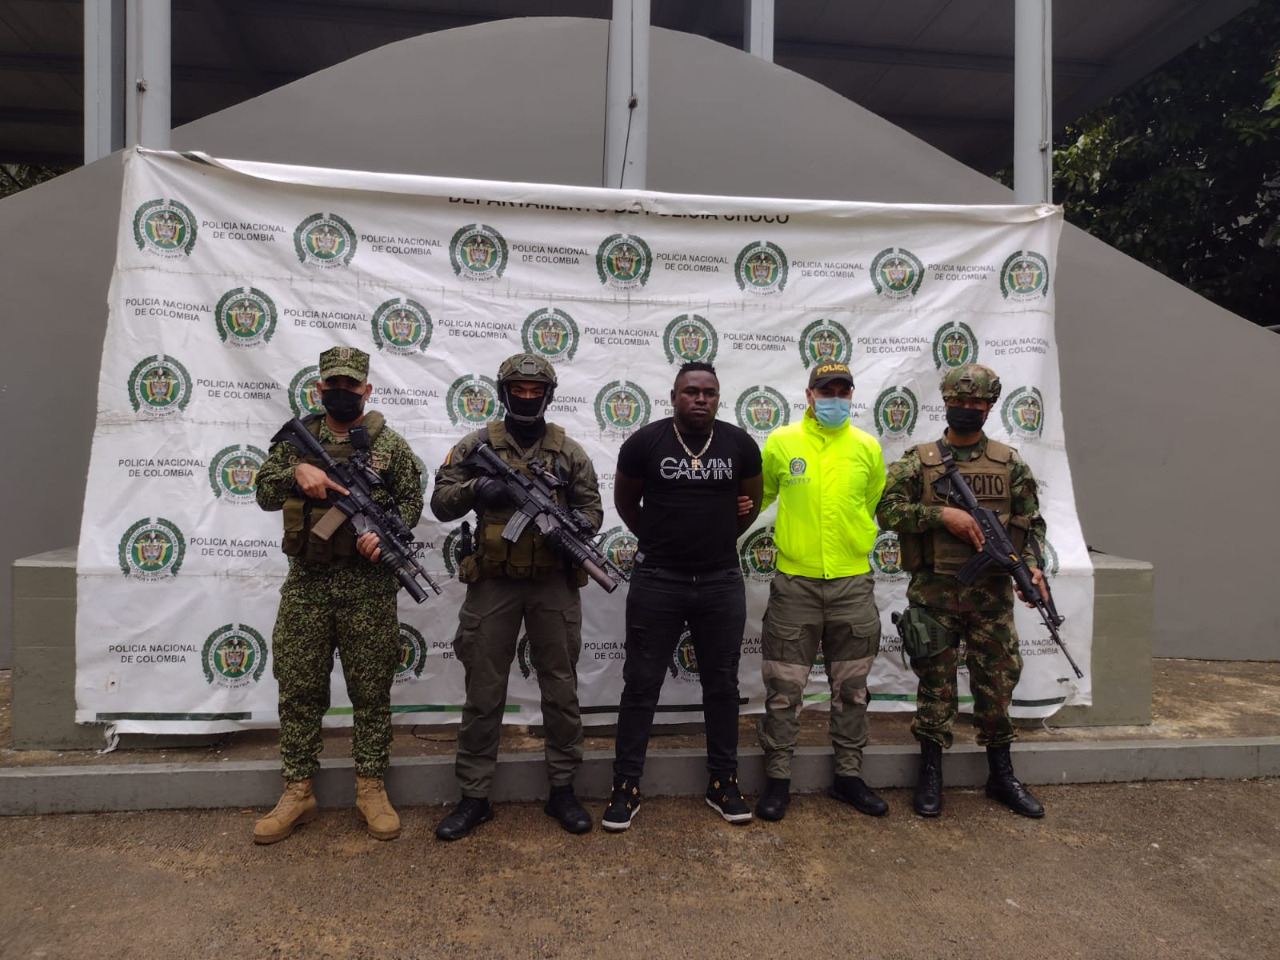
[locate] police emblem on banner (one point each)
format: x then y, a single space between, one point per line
472 398
761 409
1025 275
1051 565
758 555
895 412
623 261
524 659
413 655
622 406
761 268
246 317
825 341
954 344
235 655
818 669
690 338
423 475
159 386
304 392
324 240
165 228
684 661
1023 413
886 557
401 326
550 333
233 473
896 273
620 545
152 549
478 252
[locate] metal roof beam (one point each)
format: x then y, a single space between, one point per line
906 57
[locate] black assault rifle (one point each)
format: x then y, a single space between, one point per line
997 548
568 531
399 550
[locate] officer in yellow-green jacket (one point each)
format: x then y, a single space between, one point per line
827 476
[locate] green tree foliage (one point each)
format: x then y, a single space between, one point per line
1182 170
19 176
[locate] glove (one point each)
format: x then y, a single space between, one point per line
490 493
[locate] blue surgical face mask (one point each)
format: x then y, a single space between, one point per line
831 411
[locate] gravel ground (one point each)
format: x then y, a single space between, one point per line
1158 870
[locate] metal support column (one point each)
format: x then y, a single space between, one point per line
147 77
1033 101
626 111
103 78
757 28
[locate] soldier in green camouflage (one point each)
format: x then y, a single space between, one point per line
936 540
508 583
336 598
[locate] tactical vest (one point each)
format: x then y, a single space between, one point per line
989 478
530 556
302 514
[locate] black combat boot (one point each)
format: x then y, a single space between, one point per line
855 792
465 817
772 803
564 806
1002 785
927 800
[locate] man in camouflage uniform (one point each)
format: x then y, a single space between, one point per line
936 541
336 597
508 583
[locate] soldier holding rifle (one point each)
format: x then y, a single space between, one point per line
519 572
937 541
334 597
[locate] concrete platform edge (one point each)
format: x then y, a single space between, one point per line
429 780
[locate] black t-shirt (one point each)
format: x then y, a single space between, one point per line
688 518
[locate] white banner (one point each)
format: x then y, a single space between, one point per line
232 277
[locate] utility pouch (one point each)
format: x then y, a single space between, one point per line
922 636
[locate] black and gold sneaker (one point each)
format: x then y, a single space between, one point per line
725 799
623 805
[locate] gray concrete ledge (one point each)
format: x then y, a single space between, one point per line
430 780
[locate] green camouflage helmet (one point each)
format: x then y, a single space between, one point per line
971 380
525 366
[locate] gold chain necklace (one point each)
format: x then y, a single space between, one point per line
696 461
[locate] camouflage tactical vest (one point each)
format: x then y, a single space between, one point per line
530 555
989 479
302 514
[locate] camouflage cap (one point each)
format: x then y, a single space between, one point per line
971 380
526 366
824 373
344 362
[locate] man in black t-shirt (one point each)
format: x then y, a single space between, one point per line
679 485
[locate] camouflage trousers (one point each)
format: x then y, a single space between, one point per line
317 616
983 616
805 615
488 631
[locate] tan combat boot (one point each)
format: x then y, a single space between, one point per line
371 800
297 805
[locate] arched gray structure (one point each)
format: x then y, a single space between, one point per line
1162 390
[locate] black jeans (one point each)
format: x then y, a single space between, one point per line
659 605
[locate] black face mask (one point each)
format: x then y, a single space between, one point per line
525 409
964 420
342 405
